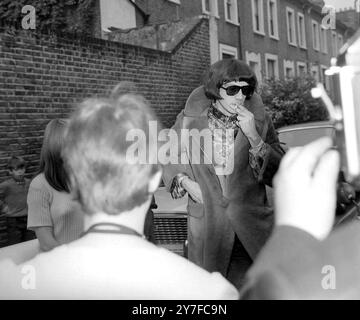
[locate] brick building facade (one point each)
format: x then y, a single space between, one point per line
286 38
278 38
43 77
226 13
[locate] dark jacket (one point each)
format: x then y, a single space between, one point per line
245 211
295 265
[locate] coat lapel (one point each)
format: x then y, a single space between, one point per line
201 153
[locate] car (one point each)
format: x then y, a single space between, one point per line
301 134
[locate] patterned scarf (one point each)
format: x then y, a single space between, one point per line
223 139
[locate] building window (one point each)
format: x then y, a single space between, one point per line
301 30
206 7
254 61
324 78
290 23
273 19
315 35
315 73
340 42
271 66
301 69
323 40
258 16
231 11
289 69
334 48
227 52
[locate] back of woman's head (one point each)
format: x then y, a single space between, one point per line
51 162
224 71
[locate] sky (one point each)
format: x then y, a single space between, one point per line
338 4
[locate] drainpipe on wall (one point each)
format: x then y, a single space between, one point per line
357 13
213 34
307 12
157 31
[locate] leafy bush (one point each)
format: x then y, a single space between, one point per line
290 101
71 16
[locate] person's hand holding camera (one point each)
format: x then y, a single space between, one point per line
305 188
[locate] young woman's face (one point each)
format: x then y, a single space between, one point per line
230 98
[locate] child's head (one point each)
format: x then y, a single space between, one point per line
16 167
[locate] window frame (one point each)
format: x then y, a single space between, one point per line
254 57
316 24
300 64
261 30
289 64
204 11
273 57
323 40
334 44
303 29
292 11
230 50
316 68
324 79
236 18
276 24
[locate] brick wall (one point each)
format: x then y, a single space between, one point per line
43 77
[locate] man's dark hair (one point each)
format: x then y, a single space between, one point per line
228 70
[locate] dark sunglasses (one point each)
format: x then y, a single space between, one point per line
233 90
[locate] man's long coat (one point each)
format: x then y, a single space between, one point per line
245 210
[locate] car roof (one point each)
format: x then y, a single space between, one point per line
306 125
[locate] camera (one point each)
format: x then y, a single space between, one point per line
344 75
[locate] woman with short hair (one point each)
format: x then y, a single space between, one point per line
52 213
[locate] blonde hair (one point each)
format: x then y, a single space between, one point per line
96 149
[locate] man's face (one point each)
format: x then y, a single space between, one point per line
18 173
230 102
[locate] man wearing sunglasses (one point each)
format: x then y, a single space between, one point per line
229 216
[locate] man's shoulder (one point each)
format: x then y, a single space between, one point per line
315 270
139 271
190 278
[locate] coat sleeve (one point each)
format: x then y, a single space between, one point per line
266 278
171 170
266 162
